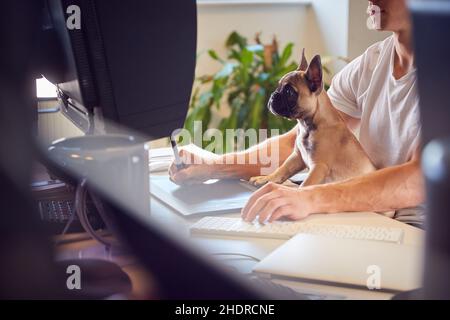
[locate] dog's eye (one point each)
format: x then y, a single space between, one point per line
289 90
291 95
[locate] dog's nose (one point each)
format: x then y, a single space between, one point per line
283 102
274 100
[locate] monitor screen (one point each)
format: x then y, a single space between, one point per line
130 63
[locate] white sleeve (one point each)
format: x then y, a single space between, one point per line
344 88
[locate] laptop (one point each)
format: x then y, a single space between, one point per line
356 263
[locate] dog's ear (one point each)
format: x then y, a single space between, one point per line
303 63
314 75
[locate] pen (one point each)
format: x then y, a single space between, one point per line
178 162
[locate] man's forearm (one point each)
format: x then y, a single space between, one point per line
269 154
383 190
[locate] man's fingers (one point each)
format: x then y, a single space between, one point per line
184 155
172 169
270 207
186 177
258 205
295 216
255 196
280 212
181 176
187 157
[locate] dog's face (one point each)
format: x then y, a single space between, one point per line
298 91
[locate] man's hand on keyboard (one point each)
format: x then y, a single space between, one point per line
274 201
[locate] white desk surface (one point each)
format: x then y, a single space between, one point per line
260 248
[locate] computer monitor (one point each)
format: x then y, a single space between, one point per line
431 22
130 62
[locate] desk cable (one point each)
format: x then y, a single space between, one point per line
80 208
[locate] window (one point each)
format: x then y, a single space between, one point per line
45 89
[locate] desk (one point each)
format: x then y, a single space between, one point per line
256 247
260 248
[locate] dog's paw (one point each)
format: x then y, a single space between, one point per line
259 181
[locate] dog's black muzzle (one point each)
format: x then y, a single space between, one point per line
284 102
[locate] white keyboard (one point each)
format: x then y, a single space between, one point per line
287 229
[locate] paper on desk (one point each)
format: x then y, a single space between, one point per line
157 154
159 166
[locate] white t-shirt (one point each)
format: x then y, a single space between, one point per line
388 108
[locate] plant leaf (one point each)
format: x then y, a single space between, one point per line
227 69
205 98
246 57
213 54
257 109
236 39
234 55
285 55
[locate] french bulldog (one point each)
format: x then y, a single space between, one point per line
324 144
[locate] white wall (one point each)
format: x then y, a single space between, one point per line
289 22
331 18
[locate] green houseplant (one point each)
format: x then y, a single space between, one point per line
249 74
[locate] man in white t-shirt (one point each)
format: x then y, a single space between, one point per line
377 93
